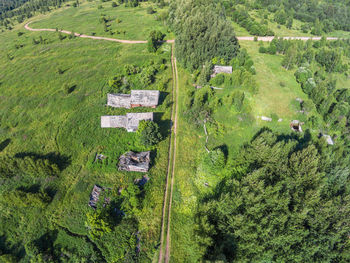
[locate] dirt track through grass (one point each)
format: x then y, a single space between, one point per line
91 37
168 195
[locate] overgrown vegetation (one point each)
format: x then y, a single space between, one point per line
50 136
319 65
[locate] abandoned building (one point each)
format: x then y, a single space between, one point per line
295 125
130 121
135 162
221 69
137 98
95 194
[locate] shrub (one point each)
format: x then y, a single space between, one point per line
238 100
149 133
154 40
150 10
262 49
302 75
214 161
218 80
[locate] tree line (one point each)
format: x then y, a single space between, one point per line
319 16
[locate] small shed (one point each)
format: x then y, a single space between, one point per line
135 162
221 69
144 98
119 100
94 196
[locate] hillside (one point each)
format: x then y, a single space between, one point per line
249 143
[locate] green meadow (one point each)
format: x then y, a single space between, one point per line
52 96
123 22
276 98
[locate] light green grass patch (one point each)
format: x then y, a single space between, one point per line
135 21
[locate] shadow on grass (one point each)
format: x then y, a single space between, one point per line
162 97
164 125
61 161
4 144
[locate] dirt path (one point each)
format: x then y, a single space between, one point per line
268 39
91 37
265 39
168 196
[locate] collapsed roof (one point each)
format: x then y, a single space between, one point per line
130 121
137 98
221 69
95 194
135 162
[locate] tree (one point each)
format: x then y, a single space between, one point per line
302 75
200 38
285 208
290 58
149 133
289 23
206 71
330 59
154 40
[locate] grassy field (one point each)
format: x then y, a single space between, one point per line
277 93
131 23
38 116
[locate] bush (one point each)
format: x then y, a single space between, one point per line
302 75
214 161
149 133
218 80
150 10
114 4
154 39
262 49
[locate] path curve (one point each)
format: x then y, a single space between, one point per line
26 26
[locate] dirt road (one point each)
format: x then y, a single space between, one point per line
168 196
91 37
268 39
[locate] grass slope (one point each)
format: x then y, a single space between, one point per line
272 98
36 115
136 22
